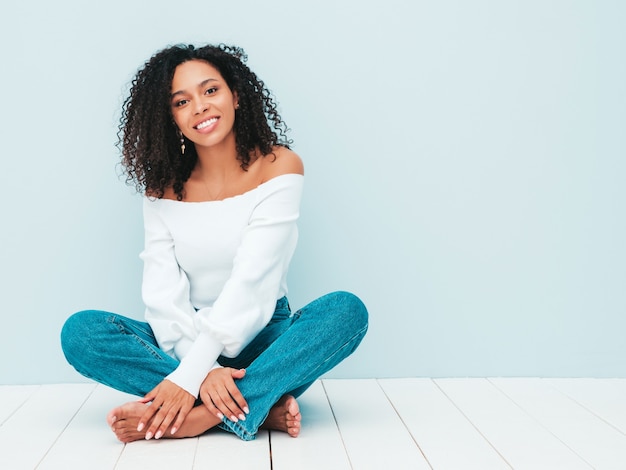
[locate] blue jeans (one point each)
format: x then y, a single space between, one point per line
286 357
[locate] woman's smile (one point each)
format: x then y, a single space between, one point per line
204 124
207 125
203 106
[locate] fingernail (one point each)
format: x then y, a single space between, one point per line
234 419
246 410
174 430
148 436
140 427
220 415
158 435
242 417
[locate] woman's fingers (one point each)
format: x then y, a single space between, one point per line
166 415
167 418
180 418
225 404
222 397
151 410
238 400
214 399
211 407
237 373
169 403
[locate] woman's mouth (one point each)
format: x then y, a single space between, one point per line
207 123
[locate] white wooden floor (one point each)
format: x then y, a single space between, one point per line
347 424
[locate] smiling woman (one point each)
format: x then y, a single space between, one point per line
203 108
194 95
157 155
202 140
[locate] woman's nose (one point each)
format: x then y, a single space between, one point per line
201 106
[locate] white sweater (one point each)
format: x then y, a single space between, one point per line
214 270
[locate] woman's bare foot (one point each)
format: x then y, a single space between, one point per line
124 419
284 416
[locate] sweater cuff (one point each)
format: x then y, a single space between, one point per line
197 363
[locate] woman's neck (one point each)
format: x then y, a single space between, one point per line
219 161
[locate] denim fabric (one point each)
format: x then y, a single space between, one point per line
287 356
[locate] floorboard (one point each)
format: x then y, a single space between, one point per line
447 438
319 445
603 397
12 397
598 443
29 433
374 435
87 442
221 450
443 424
522 441
162 454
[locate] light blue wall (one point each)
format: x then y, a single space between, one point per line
465 172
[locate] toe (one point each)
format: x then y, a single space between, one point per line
292 406
112 417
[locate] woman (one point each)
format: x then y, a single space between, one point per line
201 138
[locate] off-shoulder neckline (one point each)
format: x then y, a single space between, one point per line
236 196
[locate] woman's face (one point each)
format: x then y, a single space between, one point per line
203 105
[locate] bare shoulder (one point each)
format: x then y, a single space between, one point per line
281 161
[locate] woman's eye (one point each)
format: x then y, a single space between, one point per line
178 104
210 91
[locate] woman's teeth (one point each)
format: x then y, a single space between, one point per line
204 124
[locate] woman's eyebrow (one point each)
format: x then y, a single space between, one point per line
202 84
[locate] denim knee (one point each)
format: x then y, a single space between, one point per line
76 333
352 309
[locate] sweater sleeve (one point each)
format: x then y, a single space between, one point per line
165 286
248 299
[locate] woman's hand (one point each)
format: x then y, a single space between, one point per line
169 402
221 396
